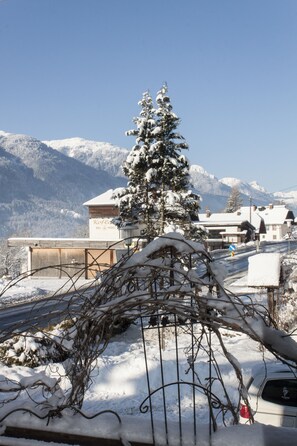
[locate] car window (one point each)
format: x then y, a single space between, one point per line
281 391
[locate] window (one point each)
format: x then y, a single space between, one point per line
281 391
274 237
215 233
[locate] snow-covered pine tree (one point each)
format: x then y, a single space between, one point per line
234 201
136 202
158 194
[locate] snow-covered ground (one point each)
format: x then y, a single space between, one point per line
119 384
13 292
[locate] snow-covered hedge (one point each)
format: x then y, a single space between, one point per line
32 350
287 314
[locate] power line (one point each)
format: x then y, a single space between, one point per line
290 188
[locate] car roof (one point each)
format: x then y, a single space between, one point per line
270 368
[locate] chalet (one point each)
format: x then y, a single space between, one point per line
278 221
224 229
264 223
277 218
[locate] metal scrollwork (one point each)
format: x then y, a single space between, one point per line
215 402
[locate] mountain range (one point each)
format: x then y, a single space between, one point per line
43 184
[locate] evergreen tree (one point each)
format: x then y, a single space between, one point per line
136 200
234 201
158 193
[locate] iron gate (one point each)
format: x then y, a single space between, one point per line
176 380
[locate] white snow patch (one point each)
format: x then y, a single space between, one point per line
264 270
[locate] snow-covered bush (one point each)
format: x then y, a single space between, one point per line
287 314
11 260
32 350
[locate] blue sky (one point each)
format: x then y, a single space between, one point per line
78 68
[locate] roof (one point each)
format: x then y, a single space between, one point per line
102 199
229 219
84 243
275 214
271 214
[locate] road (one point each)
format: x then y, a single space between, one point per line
239 262
40 314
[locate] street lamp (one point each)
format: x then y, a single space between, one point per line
127 232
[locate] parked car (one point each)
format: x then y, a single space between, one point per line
272 394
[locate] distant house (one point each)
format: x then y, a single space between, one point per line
278 221
277 218
102 210
224 229
269 223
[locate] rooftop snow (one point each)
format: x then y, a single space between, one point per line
275 214
105 198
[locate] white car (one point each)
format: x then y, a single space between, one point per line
272 394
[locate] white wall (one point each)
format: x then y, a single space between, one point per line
103 229
274 233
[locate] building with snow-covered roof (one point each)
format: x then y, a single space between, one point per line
230 228
102 210
264 223
278 221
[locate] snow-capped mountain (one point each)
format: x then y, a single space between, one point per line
43 185
290 198
214 192
252 190
207 183
101 155
42 190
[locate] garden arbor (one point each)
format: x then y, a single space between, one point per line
173 286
